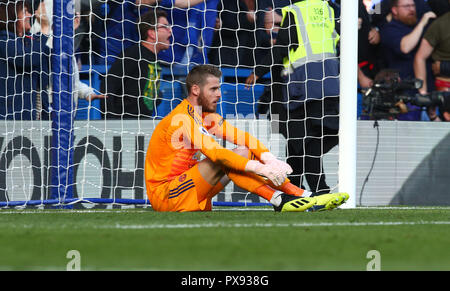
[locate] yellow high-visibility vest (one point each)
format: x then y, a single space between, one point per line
316 33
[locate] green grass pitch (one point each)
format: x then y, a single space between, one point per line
406 238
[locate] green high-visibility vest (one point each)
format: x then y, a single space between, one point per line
316 33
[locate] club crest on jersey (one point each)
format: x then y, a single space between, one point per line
182 178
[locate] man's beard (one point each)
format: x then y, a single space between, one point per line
204 104
409 20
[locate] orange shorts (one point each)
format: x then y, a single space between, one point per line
187 192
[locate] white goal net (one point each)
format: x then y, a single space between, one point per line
81 92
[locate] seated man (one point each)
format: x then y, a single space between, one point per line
177 180
133 81
400 39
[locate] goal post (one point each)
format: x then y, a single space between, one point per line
62 117
348 100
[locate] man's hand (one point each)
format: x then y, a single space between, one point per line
426 17
374 36
97 96
251 80
42 17
269 159
276 175
364 81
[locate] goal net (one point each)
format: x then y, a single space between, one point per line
61 144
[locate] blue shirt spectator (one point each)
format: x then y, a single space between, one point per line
192 33
24 60
120 20
400 39
391 36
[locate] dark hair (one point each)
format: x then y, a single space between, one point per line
387 76
9 11
199 73
149 20
393 3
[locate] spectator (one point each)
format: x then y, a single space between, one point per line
234 38
193 32
368 45
311 90
81 90
24 60
121 21
268 20
132 83
382 11
400 39
435 43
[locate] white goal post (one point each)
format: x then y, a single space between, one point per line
348 100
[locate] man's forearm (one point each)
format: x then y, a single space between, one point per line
421 72
410 41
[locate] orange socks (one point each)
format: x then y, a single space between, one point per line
265 192
289 188
252 183
261 187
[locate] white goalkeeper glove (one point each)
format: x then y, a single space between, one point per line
271 172
269 159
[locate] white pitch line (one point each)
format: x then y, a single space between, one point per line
223 208
268 225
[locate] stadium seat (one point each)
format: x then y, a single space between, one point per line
237 100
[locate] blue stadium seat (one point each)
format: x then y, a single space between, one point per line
237 100
172 94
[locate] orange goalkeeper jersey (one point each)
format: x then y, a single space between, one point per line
181 137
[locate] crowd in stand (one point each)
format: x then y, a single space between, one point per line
408 37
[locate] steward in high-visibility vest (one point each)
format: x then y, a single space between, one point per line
311 69
305 51
314 21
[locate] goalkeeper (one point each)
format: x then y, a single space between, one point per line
176 178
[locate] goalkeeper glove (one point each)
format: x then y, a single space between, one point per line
269 159
274 174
